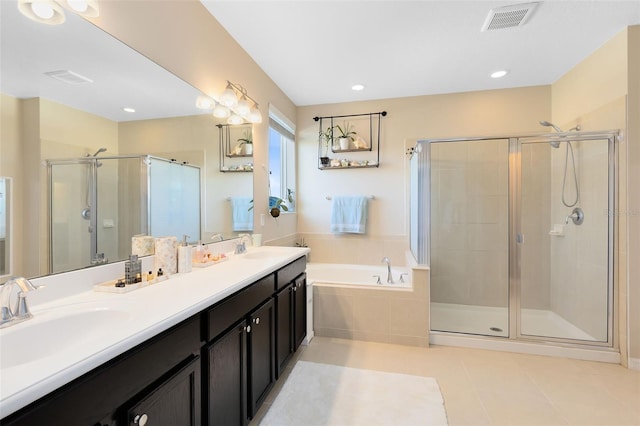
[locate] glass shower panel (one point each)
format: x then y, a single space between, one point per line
469 240
70 216
564 272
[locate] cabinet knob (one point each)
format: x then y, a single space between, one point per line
248 329
256 320
140 419
295 288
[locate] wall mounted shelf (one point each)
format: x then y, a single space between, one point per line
363 126
233 148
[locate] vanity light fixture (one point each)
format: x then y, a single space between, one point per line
499 73
50 12
233 103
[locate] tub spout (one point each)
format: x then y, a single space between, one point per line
389 276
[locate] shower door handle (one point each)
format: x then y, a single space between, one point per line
520 238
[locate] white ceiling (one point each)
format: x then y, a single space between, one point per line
316 50
121 76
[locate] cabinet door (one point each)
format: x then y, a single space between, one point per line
284 327
227 372
175 401
262 351
300 310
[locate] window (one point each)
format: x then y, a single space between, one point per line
282 173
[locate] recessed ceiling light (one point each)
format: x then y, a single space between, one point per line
499 74
128 109
357 87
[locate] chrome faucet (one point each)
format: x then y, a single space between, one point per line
388 262
21 312
218 237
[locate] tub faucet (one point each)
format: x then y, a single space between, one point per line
21 311
388 262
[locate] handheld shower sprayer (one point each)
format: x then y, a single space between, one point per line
556 144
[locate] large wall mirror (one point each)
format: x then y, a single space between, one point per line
63 90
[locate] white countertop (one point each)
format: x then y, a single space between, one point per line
138 316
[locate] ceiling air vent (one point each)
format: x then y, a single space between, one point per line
509 16
69 77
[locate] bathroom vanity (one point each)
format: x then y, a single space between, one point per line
191 358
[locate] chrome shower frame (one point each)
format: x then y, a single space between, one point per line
422 248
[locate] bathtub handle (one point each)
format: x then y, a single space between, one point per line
378 279
402 275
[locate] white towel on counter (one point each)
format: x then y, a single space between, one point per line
349 214
242 217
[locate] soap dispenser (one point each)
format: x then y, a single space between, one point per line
184 256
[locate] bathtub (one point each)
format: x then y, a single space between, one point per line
348 304
337 274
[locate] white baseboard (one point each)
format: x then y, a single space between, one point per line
634 363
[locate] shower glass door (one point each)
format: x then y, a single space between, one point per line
469 236
565 239
71 206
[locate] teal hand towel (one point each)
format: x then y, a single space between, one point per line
349 214
241 215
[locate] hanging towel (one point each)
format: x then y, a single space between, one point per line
241 216
349 214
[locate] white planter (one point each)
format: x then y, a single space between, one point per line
344 143
248 149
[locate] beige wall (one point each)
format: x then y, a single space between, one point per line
10 160
184 38
632 250
461 114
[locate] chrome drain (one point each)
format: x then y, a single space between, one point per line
496 329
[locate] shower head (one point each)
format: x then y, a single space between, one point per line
547 124
99 151
555 144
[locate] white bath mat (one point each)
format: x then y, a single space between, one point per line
321 394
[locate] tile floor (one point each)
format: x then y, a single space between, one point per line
483 387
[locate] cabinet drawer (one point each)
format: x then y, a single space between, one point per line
290 272
226 313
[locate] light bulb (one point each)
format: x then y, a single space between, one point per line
228 97
42 10
235 119
80 6
204 102
243 108
255 116
221 111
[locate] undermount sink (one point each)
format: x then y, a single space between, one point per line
261 255
33 339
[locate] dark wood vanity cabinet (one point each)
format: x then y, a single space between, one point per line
157 370
240 360
215 368
175 401
291 311
226 372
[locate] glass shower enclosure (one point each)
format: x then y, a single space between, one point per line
518 233
96 204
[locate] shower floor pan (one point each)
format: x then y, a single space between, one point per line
494 321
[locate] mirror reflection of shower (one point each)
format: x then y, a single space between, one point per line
86 212
569 149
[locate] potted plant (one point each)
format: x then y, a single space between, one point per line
247 142
327 137
345 137
275 205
